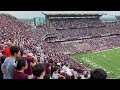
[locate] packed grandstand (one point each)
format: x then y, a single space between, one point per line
53 43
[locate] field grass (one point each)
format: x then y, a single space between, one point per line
109 60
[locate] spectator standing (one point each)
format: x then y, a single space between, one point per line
39 71
7 49
20 66
55 74
31 60
8 66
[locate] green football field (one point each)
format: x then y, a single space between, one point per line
109 60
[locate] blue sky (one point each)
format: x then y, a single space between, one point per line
32 14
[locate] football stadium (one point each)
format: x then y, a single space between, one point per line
66 45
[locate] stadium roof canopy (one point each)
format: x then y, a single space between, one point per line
55 13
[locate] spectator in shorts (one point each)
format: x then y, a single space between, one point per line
8 67
39 71
98 74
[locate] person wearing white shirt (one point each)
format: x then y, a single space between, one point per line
55 74
42 58
65 67
68 71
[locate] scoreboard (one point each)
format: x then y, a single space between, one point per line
39 20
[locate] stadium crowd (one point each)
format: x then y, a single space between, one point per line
66 31
24 65
100 36
27 62
78 23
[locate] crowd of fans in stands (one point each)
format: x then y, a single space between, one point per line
27 62
25 65
85 28
78 23
94 34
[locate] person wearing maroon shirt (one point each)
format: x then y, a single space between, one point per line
39 71
63 73
47 67
20 66
31 60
